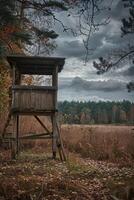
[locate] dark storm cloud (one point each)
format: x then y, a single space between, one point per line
102 42
129 71
105 41
118 12
72 48
105 86
75 47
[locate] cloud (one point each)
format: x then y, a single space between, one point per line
70 48
118 11
103 42
78 81
70 94
129 71
106 86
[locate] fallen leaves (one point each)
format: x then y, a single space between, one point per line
40 178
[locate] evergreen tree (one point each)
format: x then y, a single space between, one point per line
123 116
97 113
28 21
128 23
10 31
131 114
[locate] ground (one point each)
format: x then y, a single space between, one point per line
35 176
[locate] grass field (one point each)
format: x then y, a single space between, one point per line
100 142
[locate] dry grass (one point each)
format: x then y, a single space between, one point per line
100 142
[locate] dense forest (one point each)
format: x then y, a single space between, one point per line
97 112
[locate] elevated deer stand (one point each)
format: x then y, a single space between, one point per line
35 100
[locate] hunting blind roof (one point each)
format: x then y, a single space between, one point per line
36 64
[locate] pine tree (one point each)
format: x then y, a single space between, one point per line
10 31
24 21
37 18
131 114
123 116
128 23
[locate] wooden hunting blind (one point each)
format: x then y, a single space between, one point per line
35 100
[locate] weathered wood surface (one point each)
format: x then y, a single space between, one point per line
36 64
41 123
54 139
60 144
15 136
27 137
33 99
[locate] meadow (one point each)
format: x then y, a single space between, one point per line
100 165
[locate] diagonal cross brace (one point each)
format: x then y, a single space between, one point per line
42 124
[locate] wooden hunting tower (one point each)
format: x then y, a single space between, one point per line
35 100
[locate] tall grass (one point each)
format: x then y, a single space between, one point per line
113 143
99 142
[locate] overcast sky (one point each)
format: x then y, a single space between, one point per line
78 81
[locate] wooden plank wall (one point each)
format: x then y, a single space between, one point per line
33 100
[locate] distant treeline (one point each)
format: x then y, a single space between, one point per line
96 112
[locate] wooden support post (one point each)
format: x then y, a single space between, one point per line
61 147
17 136
54 138
13 150
54 128
14 76
55 84
15 143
